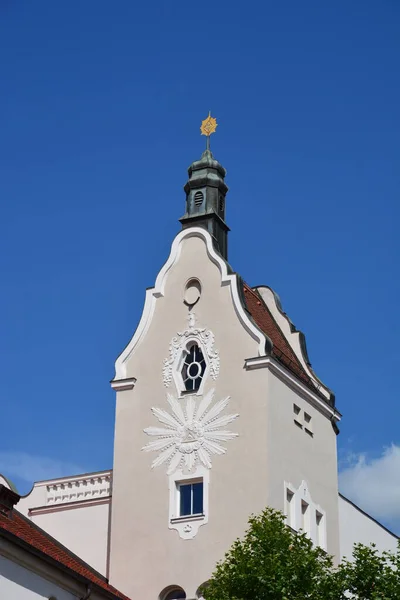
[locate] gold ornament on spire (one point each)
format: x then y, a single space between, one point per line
208 126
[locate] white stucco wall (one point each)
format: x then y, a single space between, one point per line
75 511
357 527
147 553
294 456
83 530
20 583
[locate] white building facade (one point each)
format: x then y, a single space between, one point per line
218 414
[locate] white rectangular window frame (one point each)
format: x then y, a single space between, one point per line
290 505
188 483
290 508
302 513
305 518
187 525
320 526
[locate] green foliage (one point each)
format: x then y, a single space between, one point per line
273 562
372 576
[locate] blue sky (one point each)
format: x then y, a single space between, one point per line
100 112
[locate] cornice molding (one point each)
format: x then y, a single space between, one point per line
42 510
73 478
267 362
295 338
78 490
158 291
121 385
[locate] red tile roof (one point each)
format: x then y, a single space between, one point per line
282 350
34 538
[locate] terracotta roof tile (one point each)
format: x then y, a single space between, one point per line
282 350
28 532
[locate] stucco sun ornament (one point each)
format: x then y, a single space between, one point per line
191 435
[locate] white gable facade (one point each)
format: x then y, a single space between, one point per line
218 414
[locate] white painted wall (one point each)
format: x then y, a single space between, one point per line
75 511
83 530
357 527
19 583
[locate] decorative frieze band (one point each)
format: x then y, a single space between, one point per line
80 489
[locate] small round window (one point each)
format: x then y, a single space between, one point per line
193 368
192 292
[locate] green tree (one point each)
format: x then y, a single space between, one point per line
371 575
273 562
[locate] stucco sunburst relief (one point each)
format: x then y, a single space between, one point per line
192 432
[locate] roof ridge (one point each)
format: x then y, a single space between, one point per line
281 348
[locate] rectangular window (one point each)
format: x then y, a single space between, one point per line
190 498
290 508
305 518
319 519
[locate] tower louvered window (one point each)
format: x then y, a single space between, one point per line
198 198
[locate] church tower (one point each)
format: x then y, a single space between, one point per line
218 414
205 194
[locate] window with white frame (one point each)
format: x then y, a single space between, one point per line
321 529
305 517
188 501
290 508
190 498
193 368
302 513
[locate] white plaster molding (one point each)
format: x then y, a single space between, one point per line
191 434
42 510
71 478
159 290
307 523
187 526
285 375
120 385
293 337
79 489
205 339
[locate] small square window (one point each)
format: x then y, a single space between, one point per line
308 424
297 415
190 498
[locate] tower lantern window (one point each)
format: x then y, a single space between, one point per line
198 198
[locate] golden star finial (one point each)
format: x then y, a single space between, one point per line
208 126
